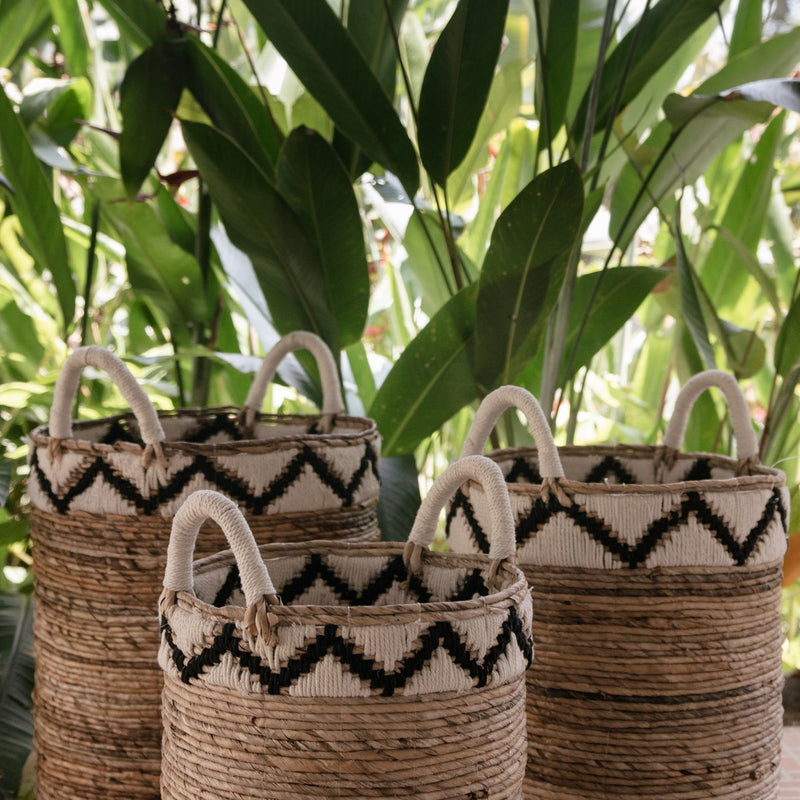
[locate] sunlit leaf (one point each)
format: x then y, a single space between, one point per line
523 270
71 35
33 203
142 22
787 347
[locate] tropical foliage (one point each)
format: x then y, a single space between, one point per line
590 200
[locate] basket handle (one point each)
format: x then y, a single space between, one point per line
746 441
484 471
492 408
332 403
66 388
257 586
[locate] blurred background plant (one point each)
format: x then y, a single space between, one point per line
592 199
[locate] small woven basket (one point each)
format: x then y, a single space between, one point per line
386 672
104 493
656 587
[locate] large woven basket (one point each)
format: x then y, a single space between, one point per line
104 493
385 673
656 586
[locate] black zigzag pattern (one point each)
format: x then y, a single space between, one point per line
691 505
609 466
522 472
394 572
700 471
223 480
440 634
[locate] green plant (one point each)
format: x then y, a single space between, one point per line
250 167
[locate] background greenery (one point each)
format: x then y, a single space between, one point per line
592 199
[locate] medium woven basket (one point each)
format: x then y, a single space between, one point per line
386 672
104 493
656 587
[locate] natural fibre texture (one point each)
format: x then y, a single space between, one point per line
101 523
370 682
667 684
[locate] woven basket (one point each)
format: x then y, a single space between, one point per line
386 672
656 587
104 493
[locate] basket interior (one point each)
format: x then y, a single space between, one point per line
350 579
209 426
615 466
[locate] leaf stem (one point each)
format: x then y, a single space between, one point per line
547 120
90 263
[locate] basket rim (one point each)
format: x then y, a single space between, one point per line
349 616
764 478
364 429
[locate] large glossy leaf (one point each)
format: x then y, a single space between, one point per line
312 179
431 380
368 25
141 22
32 201
457 83
71 35
231 104
721 271
653 39
149 96
523 270
19 21
399 497
16 686
558 27
308 34
261 223
158 269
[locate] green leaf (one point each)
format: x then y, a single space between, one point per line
32 201
159 269
457 83
368 25
746 212
523 270
431 380
430 271
16 686
72 35
787 346
308 34
556 63
149 95
690 301
231 104
19 21
141 22
655 38
261 223
6 474
746 26
362 373
312 179
399 497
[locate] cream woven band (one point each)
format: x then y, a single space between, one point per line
492 408
746 441
67 386
298 340
198 507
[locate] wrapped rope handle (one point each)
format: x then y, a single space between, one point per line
489 412
259 591
746 441
332 402
484 471
66 388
